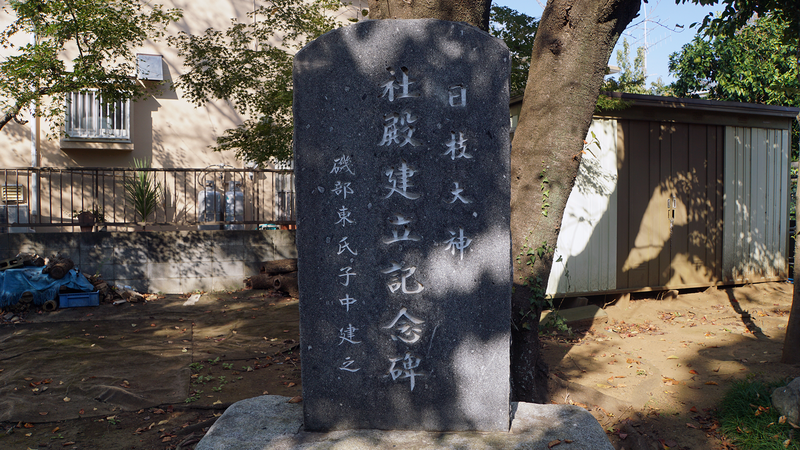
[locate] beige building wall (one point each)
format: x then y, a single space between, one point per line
166 128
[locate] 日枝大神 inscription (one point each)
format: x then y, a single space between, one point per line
404 266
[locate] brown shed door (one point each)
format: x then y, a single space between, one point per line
670 204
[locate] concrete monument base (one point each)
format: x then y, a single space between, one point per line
270 422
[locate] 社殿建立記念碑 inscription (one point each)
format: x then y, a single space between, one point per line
404 266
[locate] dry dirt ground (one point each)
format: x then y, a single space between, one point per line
151 375
156 375
655 371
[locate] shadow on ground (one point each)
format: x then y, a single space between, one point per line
658 368
147 375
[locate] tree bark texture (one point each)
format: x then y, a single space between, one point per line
473 12
279 266
287 283
570 54
791 343
58 267
261 281
9 115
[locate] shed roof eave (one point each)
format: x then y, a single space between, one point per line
706 105
695 104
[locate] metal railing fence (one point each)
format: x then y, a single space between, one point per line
52 198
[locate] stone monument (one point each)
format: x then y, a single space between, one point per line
404 267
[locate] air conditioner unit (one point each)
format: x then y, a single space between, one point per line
11 215
149 67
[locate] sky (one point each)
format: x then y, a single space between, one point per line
655 29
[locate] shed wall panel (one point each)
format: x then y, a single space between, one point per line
673 214
783 233
585 257
623 193
756 204
729 190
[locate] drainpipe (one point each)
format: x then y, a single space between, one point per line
35 158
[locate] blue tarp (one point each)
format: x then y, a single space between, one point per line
15 282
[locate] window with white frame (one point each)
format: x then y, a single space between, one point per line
88 117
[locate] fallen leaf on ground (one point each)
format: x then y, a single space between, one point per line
691 425
66 399
693 409
712 383
43 413
693 372
28 425
782 419
68 443
56 429
296 399
552 444
672 357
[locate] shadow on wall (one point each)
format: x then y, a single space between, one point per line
171 262
668 229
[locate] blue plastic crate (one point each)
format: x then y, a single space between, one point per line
79 299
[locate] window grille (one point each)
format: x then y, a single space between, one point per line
88 117
284 191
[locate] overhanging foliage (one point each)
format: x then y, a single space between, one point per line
58 46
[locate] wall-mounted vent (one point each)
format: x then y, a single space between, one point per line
12 194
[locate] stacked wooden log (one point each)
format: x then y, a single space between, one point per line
107 294
58 267
30 259
280 275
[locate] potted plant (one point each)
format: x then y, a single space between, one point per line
142 191
88 217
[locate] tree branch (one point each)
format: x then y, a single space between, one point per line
77 29
11 115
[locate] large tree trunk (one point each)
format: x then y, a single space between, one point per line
791 343
473 12
570 55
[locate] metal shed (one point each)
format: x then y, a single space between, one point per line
682 193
